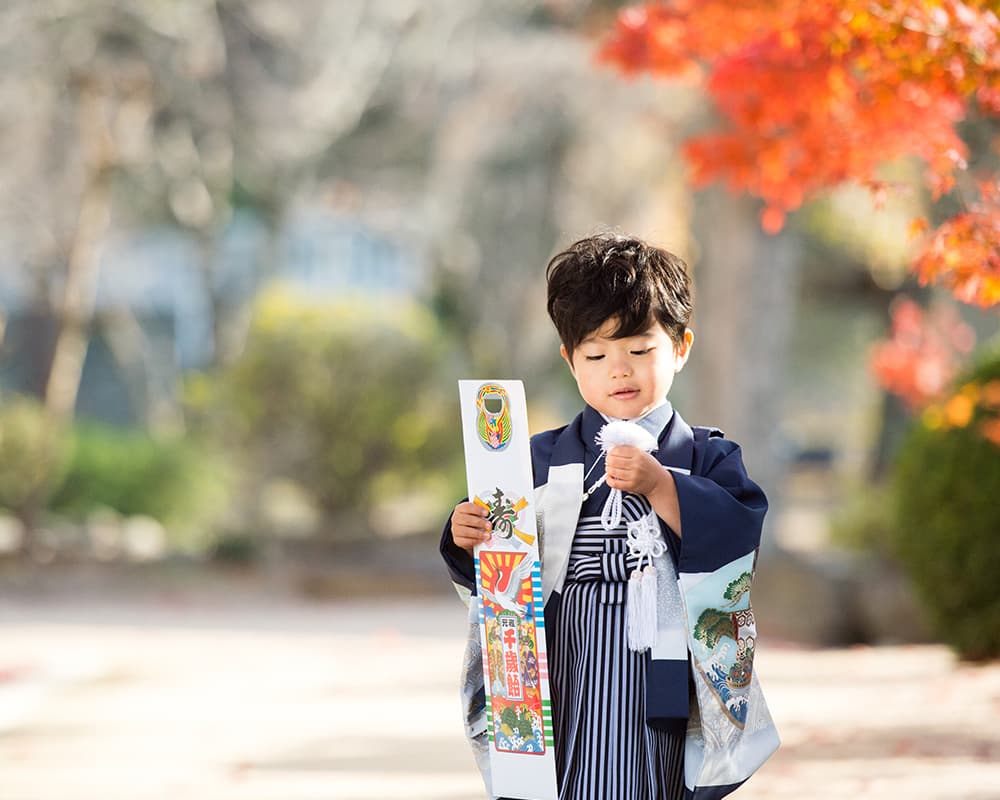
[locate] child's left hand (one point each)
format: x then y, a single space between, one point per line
633 470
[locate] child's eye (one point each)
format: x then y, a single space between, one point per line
643 352
594 358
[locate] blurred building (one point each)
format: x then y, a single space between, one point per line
161 293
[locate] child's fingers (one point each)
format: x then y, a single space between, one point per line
469 507
469 525
467 543
472 515
468 539
467 520
624 479
618 467
476 532
619 458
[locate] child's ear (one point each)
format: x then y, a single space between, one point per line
566 358
684 350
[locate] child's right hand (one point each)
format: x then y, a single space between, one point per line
469 525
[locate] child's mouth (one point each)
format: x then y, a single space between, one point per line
624 394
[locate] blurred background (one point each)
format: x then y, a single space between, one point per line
247 248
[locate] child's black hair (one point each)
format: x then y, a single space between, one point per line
609 276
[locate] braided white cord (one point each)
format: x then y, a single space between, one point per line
611 514
594 487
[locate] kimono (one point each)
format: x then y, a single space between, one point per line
699 674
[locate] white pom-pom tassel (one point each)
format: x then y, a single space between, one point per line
640 609
619 434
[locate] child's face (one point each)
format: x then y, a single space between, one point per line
626 377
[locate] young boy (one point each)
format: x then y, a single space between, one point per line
621 308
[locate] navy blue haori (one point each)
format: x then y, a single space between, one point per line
685 719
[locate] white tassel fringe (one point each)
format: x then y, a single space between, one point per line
640 609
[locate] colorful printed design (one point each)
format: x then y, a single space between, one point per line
723 639
504 514
493 420
511 669
519 720
505 580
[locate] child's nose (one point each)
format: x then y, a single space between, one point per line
620 368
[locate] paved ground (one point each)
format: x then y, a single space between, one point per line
227 698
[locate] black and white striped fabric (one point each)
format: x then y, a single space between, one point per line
604 748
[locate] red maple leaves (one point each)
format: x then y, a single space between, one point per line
964 253
920 358
919 363
815 94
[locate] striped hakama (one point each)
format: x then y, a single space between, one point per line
604 748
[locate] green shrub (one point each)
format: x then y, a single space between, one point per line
351 402
865 521
170 479
237 550
947 508
33 454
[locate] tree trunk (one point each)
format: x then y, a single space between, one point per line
80 291
79 295
746 285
